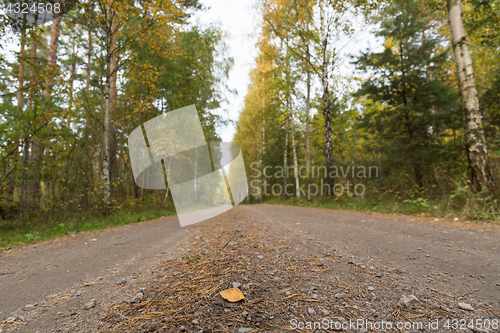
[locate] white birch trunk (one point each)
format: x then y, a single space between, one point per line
326 97
477 150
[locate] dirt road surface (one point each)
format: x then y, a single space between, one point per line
461 257
49 286
29 274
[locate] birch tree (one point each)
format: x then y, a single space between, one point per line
477 150
309 29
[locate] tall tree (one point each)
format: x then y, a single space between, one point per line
113 19
296 22
476 147
37 146
327 115
408 104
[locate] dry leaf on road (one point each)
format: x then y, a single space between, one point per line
232 295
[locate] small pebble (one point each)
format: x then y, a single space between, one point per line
137 298
245 330
236 284
310 311
90 304
465 306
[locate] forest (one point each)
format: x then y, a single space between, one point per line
74 89
420 109
413 129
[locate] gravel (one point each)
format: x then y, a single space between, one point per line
90 304
465 306
245 330
138 297
408 302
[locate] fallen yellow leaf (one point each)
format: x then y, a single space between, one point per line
232 295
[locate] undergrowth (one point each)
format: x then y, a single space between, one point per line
460 205
14 233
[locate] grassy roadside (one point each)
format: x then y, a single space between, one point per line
434 209
12 233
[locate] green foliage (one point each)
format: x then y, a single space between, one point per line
404 118
385 203
13 233
163 62
408 105
417 199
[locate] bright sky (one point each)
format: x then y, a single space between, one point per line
239 20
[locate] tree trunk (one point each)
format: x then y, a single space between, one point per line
20 103
23 202
417 170
89 60
112 107
109 88
27 186
71 84
263 124
308 110
477 150
326 100
106 152
295 162
285 155
37 147
263 141
55 32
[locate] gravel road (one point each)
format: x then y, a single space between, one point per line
463 258
69 273
30 273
